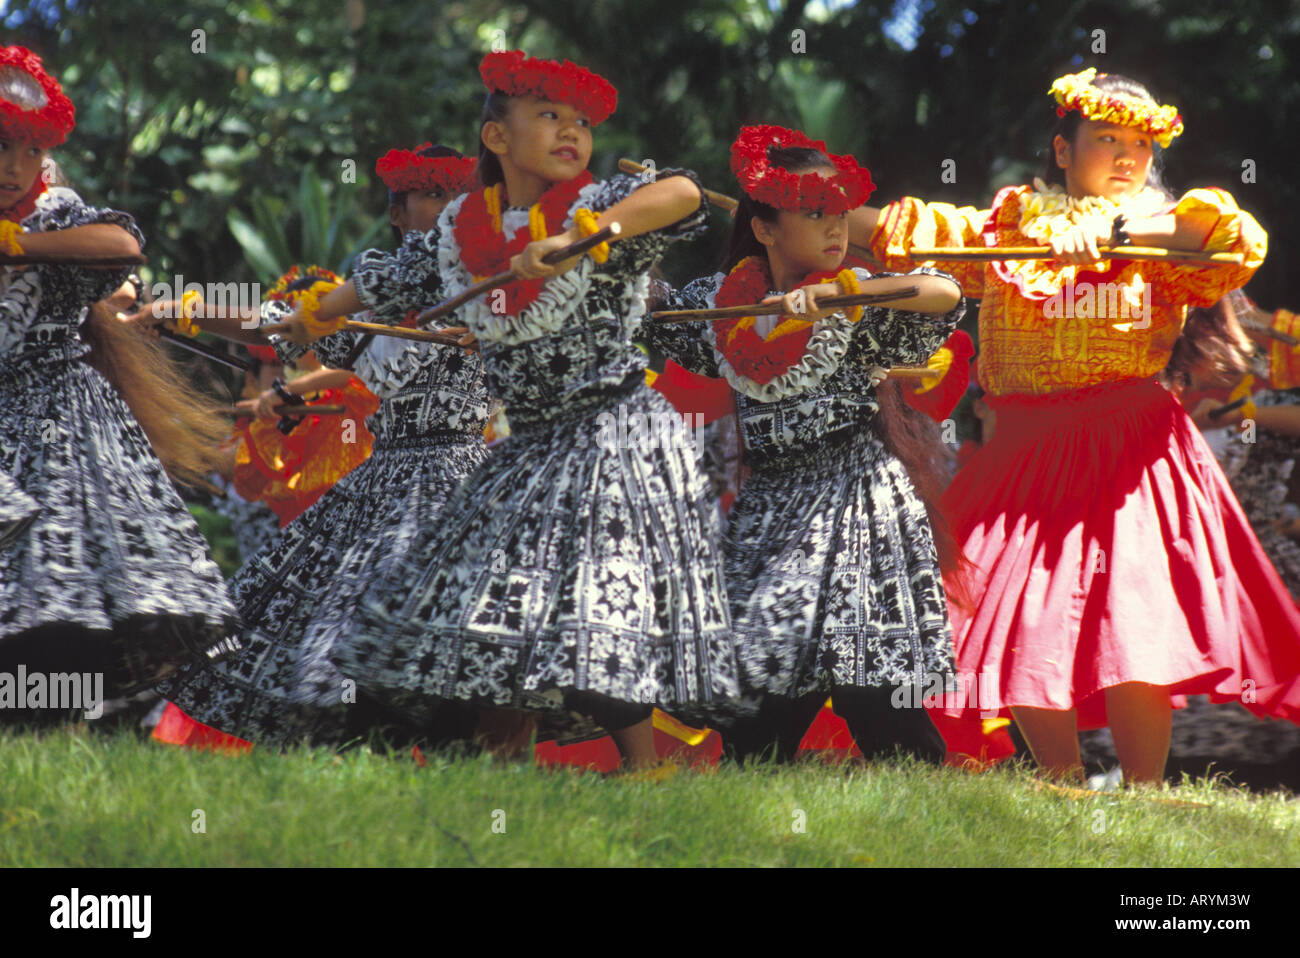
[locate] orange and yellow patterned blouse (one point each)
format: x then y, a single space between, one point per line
1047 327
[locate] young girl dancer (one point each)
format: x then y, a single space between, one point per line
831 566
428 437
112 575
1117 573
568 571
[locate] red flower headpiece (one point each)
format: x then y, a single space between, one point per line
281 291
761 181
406 170
516 74
45 127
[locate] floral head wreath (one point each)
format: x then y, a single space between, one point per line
281 291
1075 91
846 190
405 170
47 125
516 74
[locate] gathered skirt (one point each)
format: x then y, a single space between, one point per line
298 593
578 558
111 574
832 575
1108 549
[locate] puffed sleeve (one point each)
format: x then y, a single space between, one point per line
637 254
390 284
1228 229
689 345
910 223
1283 358
331 350
901 337
62 209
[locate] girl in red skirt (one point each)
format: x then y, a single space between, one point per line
1116 573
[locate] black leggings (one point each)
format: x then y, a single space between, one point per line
877 726
611 714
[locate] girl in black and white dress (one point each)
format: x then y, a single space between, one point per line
298 592
572 571
112 575
832 569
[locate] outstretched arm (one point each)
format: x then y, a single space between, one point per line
94 239
652 207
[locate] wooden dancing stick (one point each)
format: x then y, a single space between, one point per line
915 372
284 409
374 329
720 200
723 202
94 262
609 232
207 352
1269 331
992 253
776 309
1221 411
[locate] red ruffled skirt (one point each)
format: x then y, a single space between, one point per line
1109 548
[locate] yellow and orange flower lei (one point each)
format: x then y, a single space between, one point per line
1075 91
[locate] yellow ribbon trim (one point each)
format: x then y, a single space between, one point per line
1243 390
9 233
585 220
492 199
848 283
309 304
190 303
536 223
684 733
942 361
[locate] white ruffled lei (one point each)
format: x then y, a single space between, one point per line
826 349
559 299
1049 211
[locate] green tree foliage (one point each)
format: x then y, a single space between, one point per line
194 142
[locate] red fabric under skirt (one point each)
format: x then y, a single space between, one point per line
1109 548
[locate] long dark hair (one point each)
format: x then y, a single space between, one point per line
495 109
1212 335
1067 127
909 435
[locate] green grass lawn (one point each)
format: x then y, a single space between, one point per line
76 798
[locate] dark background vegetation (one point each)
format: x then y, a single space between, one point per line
232 159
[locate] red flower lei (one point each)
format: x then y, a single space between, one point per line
405 170
484 249
516 74
758 359
50 125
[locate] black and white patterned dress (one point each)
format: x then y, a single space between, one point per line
112 575
571 561
17 509
1261 473
830 559
298 593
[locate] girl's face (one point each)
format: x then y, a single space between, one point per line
807 241
20 165
551 141
420 210
1105 160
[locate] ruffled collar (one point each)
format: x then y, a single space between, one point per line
1048 211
